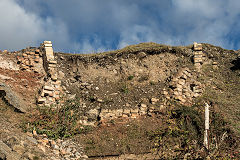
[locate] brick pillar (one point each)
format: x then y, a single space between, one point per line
198 55
52 86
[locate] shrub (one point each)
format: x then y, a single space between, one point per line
56 122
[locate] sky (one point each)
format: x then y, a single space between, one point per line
86 26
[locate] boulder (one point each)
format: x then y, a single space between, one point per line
12 98
7 152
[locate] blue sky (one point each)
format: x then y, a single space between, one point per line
84 26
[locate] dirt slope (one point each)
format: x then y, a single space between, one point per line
105 85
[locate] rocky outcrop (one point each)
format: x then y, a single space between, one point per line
12 98
19 146
6 152
8 64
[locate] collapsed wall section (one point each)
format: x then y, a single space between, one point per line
131 85
50 93
99 81
30 59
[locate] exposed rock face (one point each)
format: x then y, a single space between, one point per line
8 64
12 98
7 153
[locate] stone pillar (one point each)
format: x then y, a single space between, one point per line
198 55
51 89
48 50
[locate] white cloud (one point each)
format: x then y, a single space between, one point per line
17 28
209 21
93 25
20 29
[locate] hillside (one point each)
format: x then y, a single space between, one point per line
145 101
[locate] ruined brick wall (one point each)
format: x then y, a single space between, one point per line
30 59
50 93
182 86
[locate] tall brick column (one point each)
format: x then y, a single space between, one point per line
50 92
198 55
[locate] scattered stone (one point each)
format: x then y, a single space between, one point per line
119 112
154 100
142 54
49 88
19 149
126 112
143 105
63 152
34 133
41 100
42 148
32 140
61 75
52 62
99 100
3 156
197 47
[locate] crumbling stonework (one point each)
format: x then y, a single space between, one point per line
198 55
184 87
30 59
61 72
94 115
50 93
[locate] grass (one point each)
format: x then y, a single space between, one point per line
56 123
118 138
222 89
171 136
130 77
124 88
149 47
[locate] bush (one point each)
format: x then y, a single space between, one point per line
56 122
184 135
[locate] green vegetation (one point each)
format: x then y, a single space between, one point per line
184 135
222 89
61 122
130 77
174 135
124 88
149 47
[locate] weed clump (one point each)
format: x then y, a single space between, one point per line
184 135
56 122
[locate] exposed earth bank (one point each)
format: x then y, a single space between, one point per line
144 101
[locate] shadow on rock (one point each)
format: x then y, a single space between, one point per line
236 64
